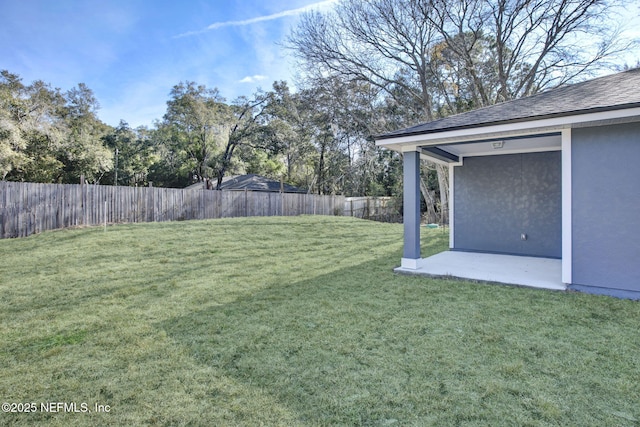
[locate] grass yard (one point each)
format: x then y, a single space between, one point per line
296 322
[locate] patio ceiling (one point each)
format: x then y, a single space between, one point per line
455 151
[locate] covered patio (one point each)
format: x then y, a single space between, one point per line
487 237
526 200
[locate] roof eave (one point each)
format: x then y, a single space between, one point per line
521 127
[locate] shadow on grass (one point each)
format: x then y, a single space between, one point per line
363 346
301 321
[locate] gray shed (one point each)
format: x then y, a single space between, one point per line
550 182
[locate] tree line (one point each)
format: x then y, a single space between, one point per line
309 138
368 66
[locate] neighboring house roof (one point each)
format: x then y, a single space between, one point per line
614 92
253 182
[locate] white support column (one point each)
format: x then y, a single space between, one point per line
411 210
567 212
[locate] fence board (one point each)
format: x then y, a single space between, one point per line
27 208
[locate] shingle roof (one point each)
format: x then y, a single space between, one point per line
612 92
254 182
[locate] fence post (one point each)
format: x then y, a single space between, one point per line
83 198
150 204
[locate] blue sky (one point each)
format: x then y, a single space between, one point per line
132 52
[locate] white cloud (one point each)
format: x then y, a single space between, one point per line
252 79
283 14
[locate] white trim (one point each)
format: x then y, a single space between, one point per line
425 156
567 231
411 263
410 149
529 127
411 142
451 207
513 151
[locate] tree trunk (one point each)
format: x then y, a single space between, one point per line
321 170
430 202
226 161
443 183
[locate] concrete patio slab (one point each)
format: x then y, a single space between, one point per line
534 272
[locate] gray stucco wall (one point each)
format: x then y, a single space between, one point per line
606 206
498 198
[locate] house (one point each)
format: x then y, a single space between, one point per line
545 190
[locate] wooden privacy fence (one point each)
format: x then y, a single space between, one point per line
27 208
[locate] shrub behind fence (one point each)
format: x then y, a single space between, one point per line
27 208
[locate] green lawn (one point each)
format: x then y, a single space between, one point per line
296 321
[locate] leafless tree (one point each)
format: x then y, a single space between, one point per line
532 45
374 41
243 123
446 56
